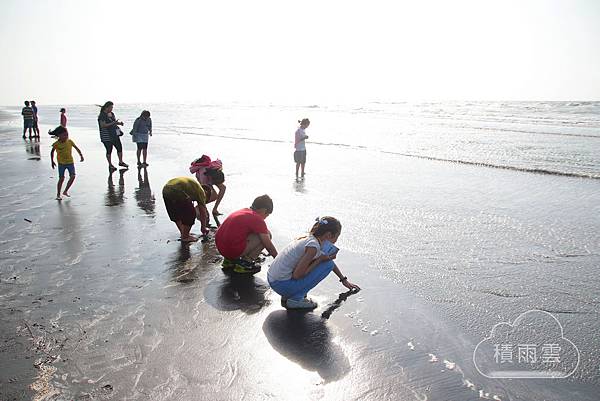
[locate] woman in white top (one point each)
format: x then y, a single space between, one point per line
300 146
305 262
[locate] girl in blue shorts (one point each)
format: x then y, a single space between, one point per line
63 148
304 263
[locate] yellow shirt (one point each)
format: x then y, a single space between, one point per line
183 188
63 151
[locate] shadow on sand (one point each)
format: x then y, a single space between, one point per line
243 293
305 339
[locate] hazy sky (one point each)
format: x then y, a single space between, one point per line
307 52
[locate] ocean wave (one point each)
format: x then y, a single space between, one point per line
418 156
532 132
500 166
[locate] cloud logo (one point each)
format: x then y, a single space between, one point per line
531 347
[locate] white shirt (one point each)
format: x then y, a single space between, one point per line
299 139
285 262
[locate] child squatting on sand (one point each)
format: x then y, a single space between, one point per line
63 148
301 265
243 236
179 195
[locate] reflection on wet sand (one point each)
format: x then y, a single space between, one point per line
69 217
237 292
115 197
299 186
305 338
143 194
179 264
33 148
184 265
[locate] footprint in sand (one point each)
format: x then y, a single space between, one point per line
449 365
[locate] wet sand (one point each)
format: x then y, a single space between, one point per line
100 301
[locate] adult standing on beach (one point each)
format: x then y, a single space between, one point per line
300 146
107 124
142 130
36 129
63 117
27 113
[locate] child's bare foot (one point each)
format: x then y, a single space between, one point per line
189 238
66 194
58 197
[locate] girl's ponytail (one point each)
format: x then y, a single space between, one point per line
325 225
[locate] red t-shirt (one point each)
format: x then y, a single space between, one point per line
231 235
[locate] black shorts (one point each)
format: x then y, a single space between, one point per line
142 145
180 210
116 143
300 156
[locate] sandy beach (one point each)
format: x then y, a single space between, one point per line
100 301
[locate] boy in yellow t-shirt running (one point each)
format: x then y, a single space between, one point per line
63 148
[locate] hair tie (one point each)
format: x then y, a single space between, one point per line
321 220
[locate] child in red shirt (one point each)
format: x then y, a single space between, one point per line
244 234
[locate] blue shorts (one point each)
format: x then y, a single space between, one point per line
28 123
63 167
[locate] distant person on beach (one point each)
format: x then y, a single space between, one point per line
36 129
63 117
243 235
141 131
27 113
179 195
305 262
109 134
63 148
209 173
300 146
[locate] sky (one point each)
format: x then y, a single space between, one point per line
299 52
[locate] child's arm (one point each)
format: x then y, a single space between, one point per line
308 262
344 280
266 241
52 158
78 151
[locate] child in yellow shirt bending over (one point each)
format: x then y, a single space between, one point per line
63 148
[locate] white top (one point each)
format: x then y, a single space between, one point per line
299 139
283 265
